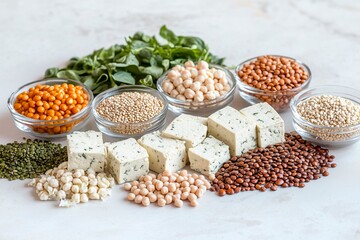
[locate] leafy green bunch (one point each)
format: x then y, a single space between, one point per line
142 60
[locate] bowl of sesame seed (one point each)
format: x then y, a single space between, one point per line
129 111
327 115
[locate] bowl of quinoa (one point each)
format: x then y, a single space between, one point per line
327 115
129 111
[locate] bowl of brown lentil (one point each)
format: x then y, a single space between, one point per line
129 111
273 79
327 115
51 108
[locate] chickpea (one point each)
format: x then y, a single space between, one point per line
199 97
194 73
131 196
181 89
145 201
195 86
184 195
152 198
164 190
219 74
178 82
178 203
185 74
217 94
210 95
202 65
168 198
127 186
192 197
174 93
172 75
181 97
169 88
194 203
223 81
172 187
187 83
200 78
189 94
210 88
161 202
203 89
144 191
189 64
219 87
138 199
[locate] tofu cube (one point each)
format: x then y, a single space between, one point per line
127 160
187 128
234 129
270 127
188 117
164 153
86 151
208 157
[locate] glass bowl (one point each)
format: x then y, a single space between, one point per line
322 135
279 100
50 129
205 107
126 130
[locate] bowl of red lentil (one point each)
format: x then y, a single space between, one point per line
327 115
51 108
129 111
273 79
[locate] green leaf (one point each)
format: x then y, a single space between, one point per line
166 64
51 72
124 77
88 81
154 71
132 60
147 81
168 35
68 74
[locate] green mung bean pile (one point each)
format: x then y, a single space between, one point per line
29 159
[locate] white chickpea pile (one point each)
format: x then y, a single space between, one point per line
72 187
167 188
195 83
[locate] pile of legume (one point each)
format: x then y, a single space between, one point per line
29 159
167 188
130 108
195 82
273 73
72 187
45 102
330 111
274 76
288 164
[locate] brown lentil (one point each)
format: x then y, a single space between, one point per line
275 76
130 108
287 164
273 73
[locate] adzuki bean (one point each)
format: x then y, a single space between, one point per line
288 164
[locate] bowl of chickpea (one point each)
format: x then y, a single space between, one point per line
51 108
198 89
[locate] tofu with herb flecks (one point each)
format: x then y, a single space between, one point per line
270 127
188 128
127 160
234 129
86 151
165 154
208 157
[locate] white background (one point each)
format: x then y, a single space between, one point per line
35 35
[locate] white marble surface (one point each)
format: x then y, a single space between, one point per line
35 35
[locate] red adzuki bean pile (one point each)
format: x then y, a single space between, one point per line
288 164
